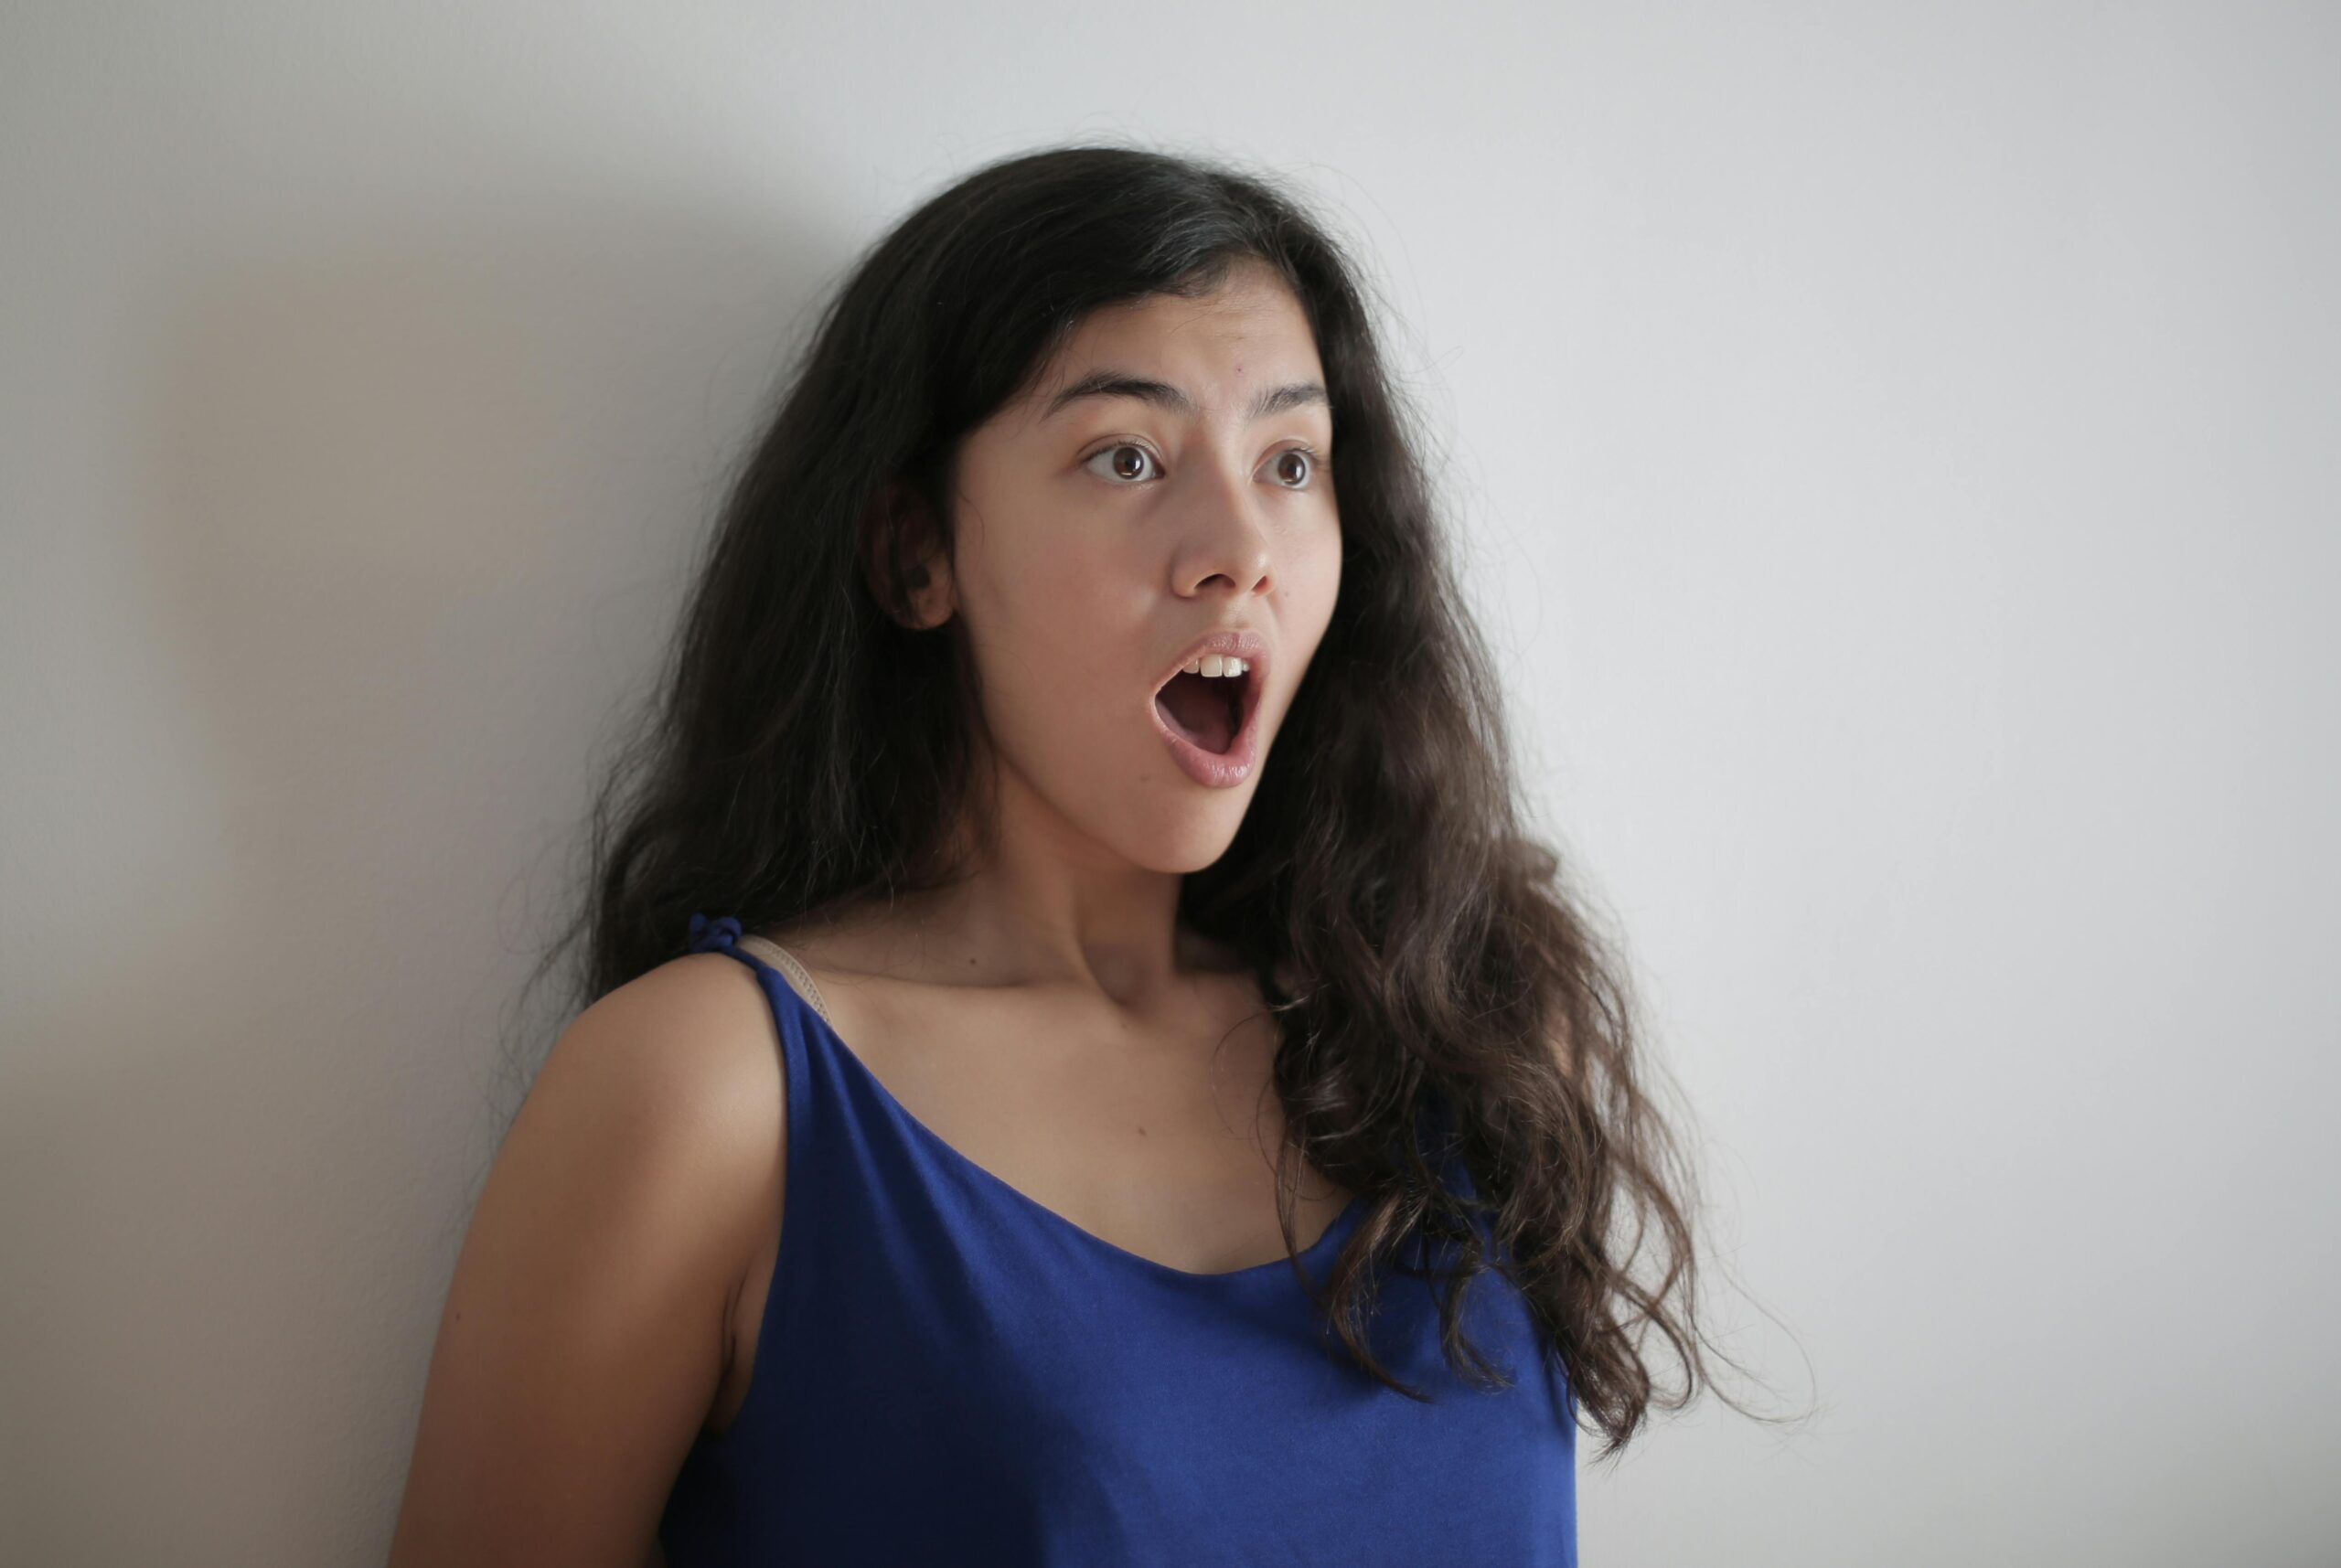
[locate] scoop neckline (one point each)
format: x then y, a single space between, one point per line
953 1155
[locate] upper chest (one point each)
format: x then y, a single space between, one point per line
1157 1133
1110 1119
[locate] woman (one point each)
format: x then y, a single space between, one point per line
1072 1005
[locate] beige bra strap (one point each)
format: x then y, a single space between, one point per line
780 959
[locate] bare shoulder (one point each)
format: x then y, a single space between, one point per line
676 1065
585 1331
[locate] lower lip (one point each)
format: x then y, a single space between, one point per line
1214 770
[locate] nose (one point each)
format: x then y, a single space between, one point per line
1224 541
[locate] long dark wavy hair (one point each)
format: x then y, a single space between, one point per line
804 751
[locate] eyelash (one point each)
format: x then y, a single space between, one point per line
1316 462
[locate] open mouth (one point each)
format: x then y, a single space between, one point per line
1206 711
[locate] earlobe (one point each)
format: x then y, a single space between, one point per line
930 591
904 557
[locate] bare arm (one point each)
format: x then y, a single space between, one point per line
583 1337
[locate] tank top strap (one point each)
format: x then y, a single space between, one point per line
870 1207
713 935
788 964
725 933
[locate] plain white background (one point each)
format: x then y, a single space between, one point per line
1894 451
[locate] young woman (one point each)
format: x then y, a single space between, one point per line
1084 1065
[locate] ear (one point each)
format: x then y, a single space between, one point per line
909 570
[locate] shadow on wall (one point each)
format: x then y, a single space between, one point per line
415 510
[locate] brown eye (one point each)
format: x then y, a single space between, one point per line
1130 460
1300 458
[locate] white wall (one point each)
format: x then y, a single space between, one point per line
1897 449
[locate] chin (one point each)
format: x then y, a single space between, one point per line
1190 840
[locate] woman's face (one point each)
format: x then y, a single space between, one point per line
1102 533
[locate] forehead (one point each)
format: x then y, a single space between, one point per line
1251 302
1249 333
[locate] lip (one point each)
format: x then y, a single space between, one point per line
1218 769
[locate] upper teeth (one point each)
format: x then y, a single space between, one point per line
1217 664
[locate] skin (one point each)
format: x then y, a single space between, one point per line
1079 572
1046 1017
1046 1014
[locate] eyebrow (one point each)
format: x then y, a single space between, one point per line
1163 394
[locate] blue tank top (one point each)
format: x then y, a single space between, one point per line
948 1371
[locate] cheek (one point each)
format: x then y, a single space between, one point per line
1053 604
1312 580
1058 632
1034 562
